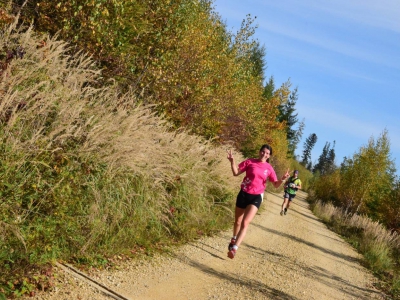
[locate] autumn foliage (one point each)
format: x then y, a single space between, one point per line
365 184
115 118
178 55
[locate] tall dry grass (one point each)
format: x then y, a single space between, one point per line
373 231
379 246
87 172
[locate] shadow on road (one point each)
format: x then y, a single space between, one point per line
324 250
212 254
322 275
255 285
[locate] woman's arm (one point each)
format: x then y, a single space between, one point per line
234 167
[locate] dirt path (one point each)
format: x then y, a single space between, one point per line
282 257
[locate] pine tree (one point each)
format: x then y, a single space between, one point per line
330 167
269 88
297 137
319 167
308 146
288 115
257 57
326 161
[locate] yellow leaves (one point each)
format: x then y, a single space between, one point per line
179 52
105 12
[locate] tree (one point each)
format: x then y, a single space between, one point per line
178 55
390 209
368 179
269 88
288 115
326 161
297 137
308 146
330 166
110 31
257 57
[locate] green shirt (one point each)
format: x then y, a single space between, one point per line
294 180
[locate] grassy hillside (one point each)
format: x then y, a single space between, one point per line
87 172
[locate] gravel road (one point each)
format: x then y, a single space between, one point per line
282 257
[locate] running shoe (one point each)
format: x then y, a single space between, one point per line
281 212
231 253
231 244
285 211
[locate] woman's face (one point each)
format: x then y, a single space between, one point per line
264 155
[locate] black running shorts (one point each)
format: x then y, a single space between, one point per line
243 199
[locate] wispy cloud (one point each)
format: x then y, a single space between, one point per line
340 122
382 14
349 125
338 68
353 18
357 48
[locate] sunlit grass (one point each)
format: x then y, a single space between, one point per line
379 246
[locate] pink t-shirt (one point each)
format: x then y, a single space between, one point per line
256 177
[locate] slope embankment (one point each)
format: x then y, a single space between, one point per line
282 257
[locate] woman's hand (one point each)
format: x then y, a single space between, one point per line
230 155
234 167
286 176
278 183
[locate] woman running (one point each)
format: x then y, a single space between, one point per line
258 171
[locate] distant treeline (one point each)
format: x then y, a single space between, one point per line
365 184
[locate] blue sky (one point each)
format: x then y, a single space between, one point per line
344 58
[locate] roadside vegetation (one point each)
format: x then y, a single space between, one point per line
84 177
115 118
91 169
360 201
379 246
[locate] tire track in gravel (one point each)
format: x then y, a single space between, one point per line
282 257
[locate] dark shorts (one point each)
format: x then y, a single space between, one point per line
289 196
243 199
